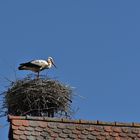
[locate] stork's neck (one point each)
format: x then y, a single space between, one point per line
49 64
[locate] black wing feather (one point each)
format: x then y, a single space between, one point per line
28 64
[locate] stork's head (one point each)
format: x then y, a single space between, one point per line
50 59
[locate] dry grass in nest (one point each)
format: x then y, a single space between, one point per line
38 97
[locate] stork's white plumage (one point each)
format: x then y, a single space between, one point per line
37 65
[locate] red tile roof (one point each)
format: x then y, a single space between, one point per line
44 128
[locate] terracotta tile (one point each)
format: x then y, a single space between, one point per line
99 128
136 131
100 138
82 136
104 134
45 134
15 127
42 138
35 133
91 137
91 128
108 128
29 128
73 136
117 138
70 127
17 122
16 137
23 137
22 128
122 134
85 132
126 130
18 132
67 131
31 138
117 129
54 135
95 133
33 123
42 124
80 127
51 125
62 135
25 123
62 126
27 133
39 129
56 130
114 134
76 132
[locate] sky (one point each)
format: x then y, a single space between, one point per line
95 45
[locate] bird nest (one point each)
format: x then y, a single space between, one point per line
38 97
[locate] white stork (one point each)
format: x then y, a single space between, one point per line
37 65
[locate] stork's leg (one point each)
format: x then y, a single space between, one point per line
38 75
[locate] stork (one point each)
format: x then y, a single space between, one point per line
37 65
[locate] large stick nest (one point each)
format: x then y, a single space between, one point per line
38 97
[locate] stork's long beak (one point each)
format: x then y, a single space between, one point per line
54 64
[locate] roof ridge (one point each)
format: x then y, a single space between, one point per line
79 121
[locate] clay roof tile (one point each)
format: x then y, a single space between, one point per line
53 128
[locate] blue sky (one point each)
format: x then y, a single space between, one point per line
95 44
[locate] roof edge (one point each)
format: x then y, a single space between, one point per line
79 121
